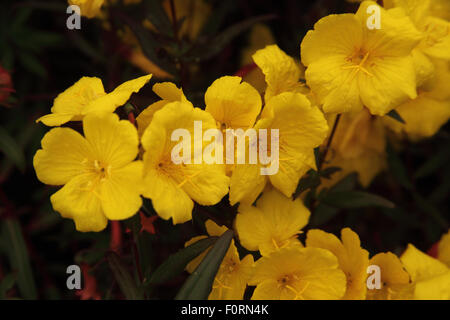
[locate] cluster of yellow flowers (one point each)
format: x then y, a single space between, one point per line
358 73
325 267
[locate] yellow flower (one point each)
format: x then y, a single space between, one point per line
282 73
425 115
358 146
298 274
431 277
301 128
436 31
168 92
232 103
353 260
350 66
395 281
87 96
273 224
100 177
260 37
170 186
88 8
444 249
231 279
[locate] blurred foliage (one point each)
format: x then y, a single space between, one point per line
44 58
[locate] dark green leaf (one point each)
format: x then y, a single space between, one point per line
434 163
11 149
176 263
397 168
322 214
199 284
310 181
6 284
124 279
328 172
355 199
430 210
32 64
158 17
346 184
214 46
19 259
395 115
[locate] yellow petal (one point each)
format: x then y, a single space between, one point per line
70 104
232 103
62 157
281 71
444 249
78 201
120 193
246 183
116 98
114 142
420 265
274 223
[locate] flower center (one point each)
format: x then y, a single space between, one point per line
358 61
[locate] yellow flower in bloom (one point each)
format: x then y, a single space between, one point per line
231 279
260 37
88 8
431 277
298 274
301 128
353 260
436 40
273 224
350 66
281 72
168 92
358 146
100 177
171 186
213 230
425 115
444 249
395 281
232 103
87 96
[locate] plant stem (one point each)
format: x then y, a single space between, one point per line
327 147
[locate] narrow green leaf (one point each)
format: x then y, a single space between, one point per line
6 284
397 168
346 184
396 116
32 64
158 17
176 263
199 284
19 259
355 199
430 210
123 278
310 181
11 149
211 47
434 163
328 172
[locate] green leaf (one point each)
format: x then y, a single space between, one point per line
11 149
322 214
32 64
355 199
397 168
396 116
6 284
158 17
430 210
310 181
217 17
124 279
176 263
18 257
199 284
346 184
210 48
434 163
328 172
149 45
